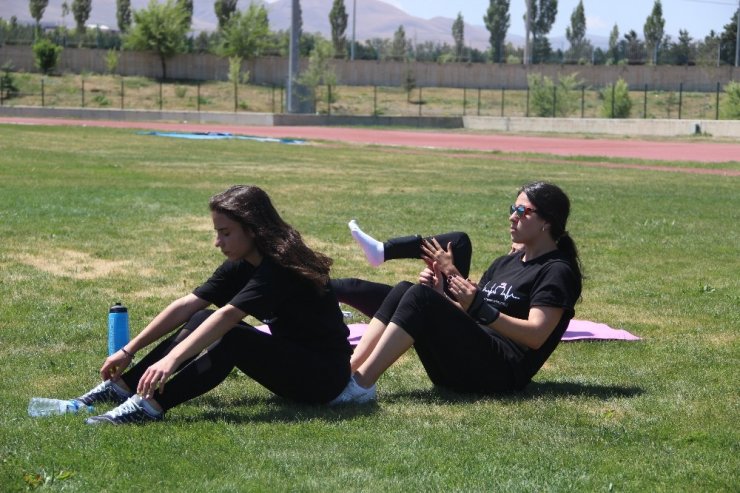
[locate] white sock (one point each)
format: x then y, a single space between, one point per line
373 248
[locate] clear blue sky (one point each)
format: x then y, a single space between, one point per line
696 16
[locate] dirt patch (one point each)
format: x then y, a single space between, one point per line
74 264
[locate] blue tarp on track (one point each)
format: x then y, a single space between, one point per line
220 136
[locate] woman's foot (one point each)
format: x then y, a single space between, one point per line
354 393
374 251
107 391
134 410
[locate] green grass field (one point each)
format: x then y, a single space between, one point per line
92 216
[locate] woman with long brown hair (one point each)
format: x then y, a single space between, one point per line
270 274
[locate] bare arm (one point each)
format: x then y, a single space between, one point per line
177 313
532 332
212 329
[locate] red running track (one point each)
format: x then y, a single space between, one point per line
698 152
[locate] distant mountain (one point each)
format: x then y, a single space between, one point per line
375 19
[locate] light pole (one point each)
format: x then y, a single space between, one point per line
527 30
354 18
293 59
737 36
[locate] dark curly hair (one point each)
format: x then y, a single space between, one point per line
251 207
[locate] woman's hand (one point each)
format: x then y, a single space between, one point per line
432 251
432 277
463 290
155 377
114 365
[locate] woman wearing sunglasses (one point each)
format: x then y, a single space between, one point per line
488 337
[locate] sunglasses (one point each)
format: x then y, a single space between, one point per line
520 210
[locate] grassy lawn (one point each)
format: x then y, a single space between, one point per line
92 216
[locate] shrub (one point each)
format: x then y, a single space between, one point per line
111 61
548 99
732 109
8 87
616 100
46 55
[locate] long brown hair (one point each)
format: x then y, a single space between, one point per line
251 207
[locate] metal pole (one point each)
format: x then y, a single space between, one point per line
160 94
680 99
328 100
420 101
737 36
293 59
583 97
354 19
375 100
716 110
614 88
122 97
527 30
644 103
198 98
465 99
479 101
503 94
42 93
82 91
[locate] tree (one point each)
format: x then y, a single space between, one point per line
613 54
708 51
458 34
65 13
729 41
224 10
187 6
37 8
543 17
580 47
683 49
654 30
46 55
161 27
338 20
81 12
123 15
246 33
634 48
399 45
616 100
497 22
319 70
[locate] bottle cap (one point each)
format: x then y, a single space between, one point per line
118 308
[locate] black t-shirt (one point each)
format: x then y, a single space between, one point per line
514 286
289 304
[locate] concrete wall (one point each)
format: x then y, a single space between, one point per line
271 70
596 126
604 126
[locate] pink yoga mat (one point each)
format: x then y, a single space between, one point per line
578 330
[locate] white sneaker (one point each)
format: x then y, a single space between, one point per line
354 393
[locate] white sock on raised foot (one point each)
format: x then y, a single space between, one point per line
373 248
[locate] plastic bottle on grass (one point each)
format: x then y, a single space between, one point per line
118 334
41 406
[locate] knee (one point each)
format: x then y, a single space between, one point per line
198 318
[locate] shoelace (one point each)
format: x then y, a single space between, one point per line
127 407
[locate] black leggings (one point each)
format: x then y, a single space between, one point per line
457 353
281 365
367 296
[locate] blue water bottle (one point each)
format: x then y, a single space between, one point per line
117 327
